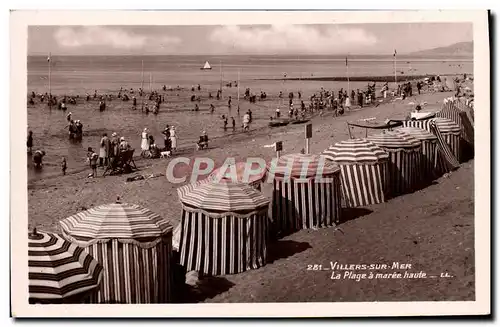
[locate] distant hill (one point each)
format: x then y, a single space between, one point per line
461 49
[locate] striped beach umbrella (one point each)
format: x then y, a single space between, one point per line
429 150
405 160
133 244
223 228
59 271
244 172
364 169
306 192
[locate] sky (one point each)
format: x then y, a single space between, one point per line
338 39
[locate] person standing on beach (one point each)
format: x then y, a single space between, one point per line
173 138
92 158
29 142
229 102
225 122
166 137
278 112
234 123
104 150
144 142
64 166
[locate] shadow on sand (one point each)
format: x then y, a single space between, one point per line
285 248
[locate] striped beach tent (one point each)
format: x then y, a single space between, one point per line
364 169
133 244
223 227
449 130
462 118
405 160
450 110
429 150
244 172
59 271
306 192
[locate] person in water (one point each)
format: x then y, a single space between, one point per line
38 158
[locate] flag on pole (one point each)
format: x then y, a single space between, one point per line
346 61
48 58
395 53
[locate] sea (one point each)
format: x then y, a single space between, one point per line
79 75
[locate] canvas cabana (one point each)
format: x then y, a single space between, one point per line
240 172
223 227
405 160
306 192
430 151
134 246
364 170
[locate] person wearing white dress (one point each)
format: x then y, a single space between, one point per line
348 103
173 138
144 141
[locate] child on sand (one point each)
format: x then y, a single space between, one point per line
64 166
92 157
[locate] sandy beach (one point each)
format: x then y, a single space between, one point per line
431 229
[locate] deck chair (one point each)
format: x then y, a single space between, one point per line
123 163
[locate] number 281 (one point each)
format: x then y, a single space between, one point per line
314 267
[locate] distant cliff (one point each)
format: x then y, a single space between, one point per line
461 49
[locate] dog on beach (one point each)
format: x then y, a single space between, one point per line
165 154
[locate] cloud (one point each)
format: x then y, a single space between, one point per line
116 38
294 38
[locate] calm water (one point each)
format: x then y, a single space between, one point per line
81 74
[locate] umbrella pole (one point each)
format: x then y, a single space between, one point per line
349 130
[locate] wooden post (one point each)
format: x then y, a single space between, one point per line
308 133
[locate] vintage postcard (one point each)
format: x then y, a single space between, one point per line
250 164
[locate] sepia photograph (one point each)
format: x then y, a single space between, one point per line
322 158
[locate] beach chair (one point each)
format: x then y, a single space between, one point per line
123 163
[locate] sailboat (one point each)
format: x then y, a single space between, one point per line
206 67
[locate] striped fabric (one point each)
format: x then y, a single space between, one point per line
423 124
222 245
446 159
240 172
429 149
467 129
116 220
447 125
450 111
134 274
132 244
301 166
356 151
405 161
393 140
223 196
59 270
306 203
363 171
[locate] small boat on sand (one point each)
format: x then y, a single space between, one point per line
300 121
278 123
